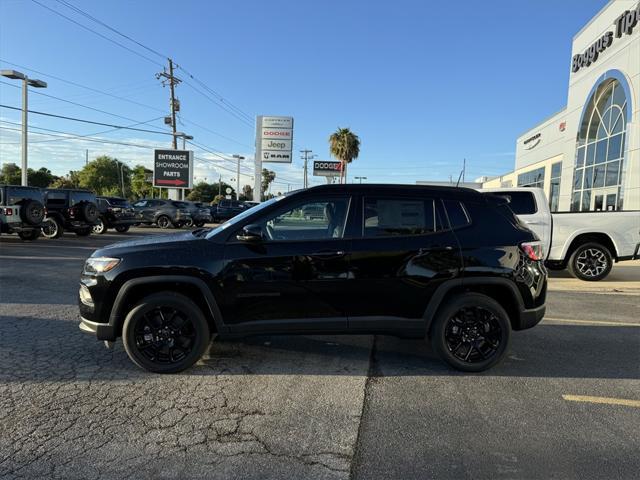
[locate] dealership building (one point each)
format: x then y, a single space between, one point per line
587 156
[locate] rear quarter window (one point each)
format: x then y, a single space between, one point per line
521 203
457 213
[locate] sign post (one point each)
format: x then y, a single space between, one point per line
274 143
173 169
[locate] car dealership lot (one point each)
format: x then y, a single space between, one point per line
312 407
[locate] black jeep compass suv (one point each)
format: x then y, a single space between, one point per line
449 265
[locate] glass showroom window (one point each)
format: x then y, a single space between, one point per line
554 194
534 178
597 182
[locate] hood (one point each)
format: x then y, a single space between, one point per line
154 242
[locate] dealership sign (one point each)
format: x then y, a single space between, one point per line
173 168
624 25
327 169
533 141
274 139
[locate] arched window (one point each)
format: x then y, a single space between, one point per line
597 181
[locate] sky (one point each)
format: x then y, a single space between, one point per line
424 84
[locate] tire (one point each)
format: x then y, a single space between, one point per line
89 212
150 337
29 235
32 212
122 228
163 221
189 223
99 228
84 231
177 224
199 224
474 326
52 228
590 262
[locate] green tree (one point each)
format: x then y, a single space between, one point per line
345 146
268 176
70 180
203 192
105 176
40 178
141 186
216 199
10 174
247 193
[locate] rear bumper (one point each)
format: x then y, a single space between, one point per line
102 331
531 317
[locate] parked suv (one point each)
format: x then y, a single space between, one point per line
450 265
114 212
164 213
73 210
200 214
21 211
226 209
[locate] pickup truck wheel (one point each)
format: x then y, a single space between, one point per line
471 332
29 235
163 221
122 228
165 333
591 262
99 227
52 228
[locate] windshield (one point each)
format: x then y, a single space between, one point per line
239 218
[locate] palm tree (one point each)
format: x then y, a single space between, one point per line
345 146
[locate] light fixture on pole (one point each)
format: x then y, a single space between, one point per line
360 178
184 137
26 82
239 158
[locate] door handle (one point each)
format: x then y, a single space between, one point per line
328 254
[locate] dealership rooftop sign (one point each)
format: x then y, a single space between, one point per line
624 25
274 139
173 168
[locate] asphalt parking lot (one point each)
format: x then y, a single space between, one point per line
565 403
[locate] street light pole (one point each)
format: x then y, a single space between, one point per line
360 178
238 157
26 82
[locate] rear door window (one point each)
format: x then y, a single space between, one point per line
385 217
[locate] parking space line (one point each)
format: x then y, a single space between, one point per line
24 257
603 400
592 322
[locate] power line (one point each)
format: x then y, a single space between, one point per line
223 107
97 33
122 127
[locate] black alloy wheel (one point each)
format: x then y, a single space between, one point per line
165 333
122 228
163 221
471 332
189 223
591 262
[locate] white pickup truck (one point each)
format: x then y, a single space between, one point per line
585 243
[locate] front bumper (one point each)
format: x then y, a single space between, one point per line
102 331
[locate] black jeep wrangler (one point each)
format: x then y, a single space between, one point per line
73 210
450 265
21 211
114 212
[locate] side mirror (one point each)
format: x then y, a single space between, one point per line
251 233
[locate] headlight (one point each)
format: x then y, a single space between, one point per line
100 264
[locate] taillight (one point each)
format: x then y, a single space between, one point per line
533 250
8 212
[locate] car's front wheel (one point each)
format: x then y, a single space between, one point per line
163 221
471 332
165 333
52 228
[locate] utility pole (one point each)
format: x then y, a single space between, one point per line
238 157
306 157
172 81
86 157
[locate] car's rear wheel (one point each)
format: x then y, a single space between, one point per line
591 262
29 235
165 333
163 221
99 227
122 228
52 228
471 332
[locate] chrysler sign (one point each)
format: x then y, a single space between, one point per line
274 139
327 169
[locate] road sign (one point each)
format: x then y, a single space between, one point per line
228 190
173 168
322 168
